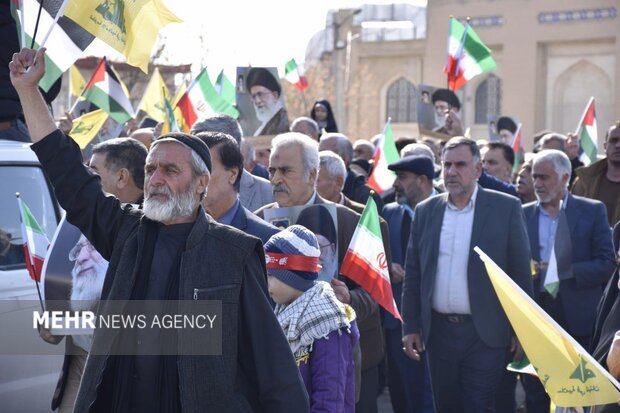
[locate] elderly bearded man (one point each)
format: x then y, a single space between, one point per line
169 251
265 94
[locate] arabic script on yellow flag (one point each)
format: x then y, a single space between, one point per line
572 378
153 101
129 26
86 127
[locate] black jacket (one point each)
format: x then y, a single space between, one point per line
256 370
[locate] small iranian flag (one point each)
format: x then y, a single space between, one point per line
516 147
467 55
225 88
365 261
294 74
560 261
202 100
588 135
106 90
382 178
35 241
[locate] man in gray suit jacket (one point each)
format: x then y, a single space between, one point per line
449 305
254 191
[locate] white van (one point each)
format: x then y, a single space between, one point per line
26 382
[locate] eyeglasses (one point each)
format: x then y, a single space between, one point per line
260 95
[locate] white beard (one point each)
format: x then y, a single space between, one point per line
86 288
265 114
181 205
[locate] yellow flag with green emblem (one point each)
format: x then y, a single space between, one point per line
129 26
571 377
154 95
86 127
77 83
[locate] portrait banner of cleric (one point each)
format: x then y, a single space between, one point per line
261 104
168 250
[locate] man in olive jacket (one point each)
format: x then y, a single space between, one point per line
170 250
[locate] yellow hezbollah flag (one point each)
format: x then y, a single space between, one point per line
572 378
77 83
86 127
153 101
131 27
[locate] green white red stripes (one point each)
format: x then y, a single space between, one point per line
294 74
588 135
105 90
467 55
35 241
202 100
365 261
382 178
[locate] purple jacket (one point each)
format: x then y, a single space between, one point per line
329 372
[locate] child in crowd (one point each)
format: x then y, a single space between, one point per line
320 330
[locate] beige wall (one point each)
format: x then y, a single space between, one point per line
548 70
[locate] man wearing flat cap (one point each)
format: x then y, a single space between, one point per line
265 93
444 101
408 380
170 250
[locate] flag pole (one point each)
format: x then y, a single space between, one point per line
59 14
36 25
303 99
22 12
28 257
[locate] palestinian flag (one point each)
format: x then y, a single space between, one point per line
225 88
382 178
202 100
65 44
35 241
522 366
516 147
588 135
467 55
365 261
106 90
294 74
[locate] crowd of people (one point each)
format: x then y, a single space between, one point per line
186 220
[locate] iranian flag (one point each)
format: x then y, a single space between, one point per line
294 74
65 43
382 178
35 241
588 135
365 261
170 123
516 147
202 100
467 55
106 90
225 88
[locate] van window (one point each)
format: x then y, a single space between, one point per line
30 182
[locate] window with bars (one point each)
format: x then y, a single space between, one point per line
488 99
401 101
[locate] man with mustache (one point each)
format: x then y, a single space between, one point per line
449 305
294 168
572 232
601 179
171 250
